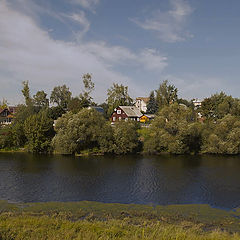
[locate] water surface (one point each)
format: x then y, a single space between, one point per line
213 180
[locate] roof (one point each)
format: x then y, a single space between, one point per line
11 109
145 99
150 115
98 109
131 111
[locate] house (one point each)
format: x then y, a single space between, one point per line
197 103
126 113
6 116
147 118
141 103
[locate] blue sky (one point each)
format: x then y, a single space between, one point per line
139 43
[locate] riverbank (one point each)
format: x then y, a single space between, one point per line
93 220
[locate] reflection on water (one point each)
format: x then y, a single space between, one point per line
213 180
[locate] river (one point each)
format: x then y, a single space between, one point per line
213 180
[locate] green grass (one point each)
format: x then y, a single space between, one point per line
93 220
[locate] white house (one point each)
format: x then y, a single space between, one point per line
197 103
141 103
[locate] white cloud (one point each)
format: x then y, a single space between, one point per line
169 26
29 53
152 60
81 19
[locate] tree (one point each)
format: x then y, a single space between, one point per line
88 86
174 130
166 94
222 136
61 95
85 97
85 130
219 105
26 93
186 102
40 100
126 139
39 132
152 105
75 105
118 96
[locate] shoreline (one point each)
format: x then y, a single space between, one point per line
125 220
88 154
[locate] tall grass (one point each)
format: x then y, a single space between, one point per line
93 220
56 228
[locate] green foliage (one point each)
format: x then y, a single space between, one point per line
152 104
126 138
88 88
75 104
105 108
84 100
38 130
223 136
85 130
40 100
6 140
55 112
26 93
61 95
185 102
219 105
174 130
88 130
166 94
17 134
118 96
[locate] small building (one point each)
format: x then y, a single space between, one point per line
141 103
6 116
147 118
125 113
197 103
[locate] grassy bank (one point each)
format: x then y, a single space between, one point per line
92 220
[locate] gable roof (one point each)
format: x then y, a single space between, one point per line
131 111
10 109
3 109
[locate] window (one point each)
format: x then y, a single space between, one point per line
118 111
114 119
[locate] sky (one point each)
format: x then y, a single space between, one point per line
138 43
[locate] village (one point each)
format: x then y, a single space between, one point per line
137 112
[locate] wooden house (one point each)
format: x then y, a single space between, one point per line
125 113
147 118
7 115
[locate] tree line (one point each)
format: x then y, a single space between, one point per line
178 128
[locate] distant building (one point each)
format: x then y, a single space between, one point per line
147 118
7 115
141 103
126 113
197 103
